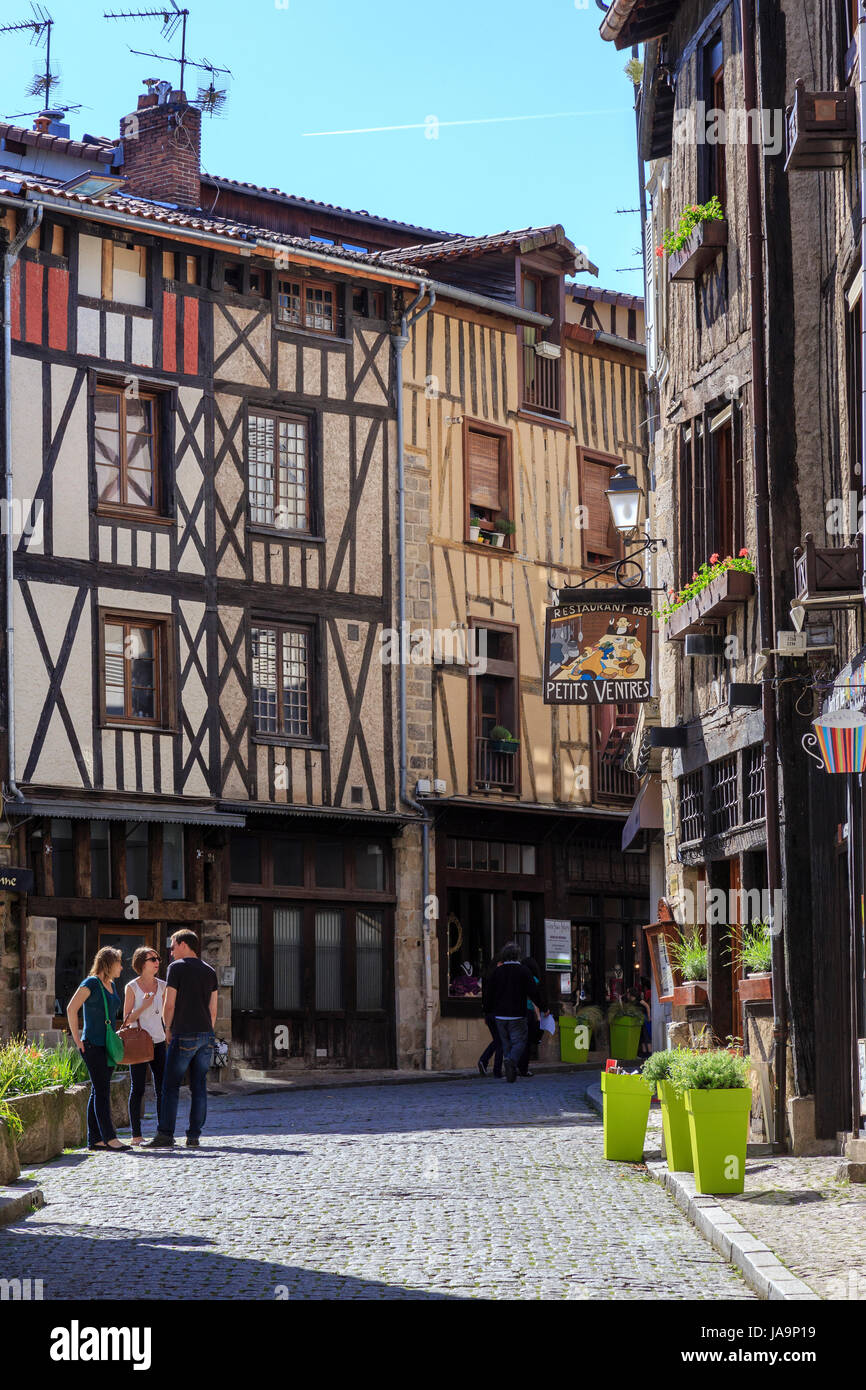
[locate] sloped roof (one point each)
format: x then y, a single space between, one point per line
595 294
462 247
296 200
92 147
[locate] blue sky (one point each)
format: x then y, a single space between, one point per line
336 65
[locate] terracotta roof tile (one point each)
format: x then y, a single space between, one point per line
456 248
217 180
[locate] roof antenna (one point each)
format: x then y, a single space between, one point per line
209 99
40 27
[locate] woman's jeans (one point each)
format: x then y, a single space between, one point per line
99 1126
494 1048
137 1083
193 1050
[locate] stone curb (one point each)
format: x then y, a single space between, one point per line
14 1203
247 1086
762 1270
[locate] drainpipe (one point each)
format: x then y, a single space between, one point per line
766 613
400 342
861 115
13 250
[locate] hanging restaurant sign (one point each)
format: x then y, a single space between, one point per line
598 648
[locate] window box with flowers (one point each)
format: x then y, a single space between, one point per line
714 591
701 234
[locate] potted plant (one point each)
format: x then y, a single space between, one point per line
543 349
625 1021
625 1110
689 955
474 528
755 958
503 526
718 1098
658 1069
501 740
575 1033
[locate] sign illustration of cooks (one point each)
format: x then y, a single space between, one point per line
598 649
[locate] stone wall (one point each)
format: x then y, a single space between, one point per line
10 972
41 955
409 953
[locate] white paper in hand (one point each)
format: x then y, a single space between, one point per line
546 1023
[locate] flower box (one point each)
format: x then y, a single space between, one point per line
701 249
690 994
829 576
820 128
721 597
755 989
504 745
547 350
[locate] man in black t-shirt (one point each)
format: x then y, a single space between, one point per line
189 1014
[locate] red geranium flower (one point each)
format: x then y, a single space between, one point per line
714 559
743 552
660 250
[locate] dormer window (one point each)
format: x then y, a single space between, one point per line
309 304
541 352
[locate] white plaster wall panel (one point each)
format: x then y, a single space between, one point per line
263 788
232 701
88 332
115 325
166 762
316 759
368 517
163 550
335 465
240 364
312 372
368 389
90 266
142 342
134 600
230 481
287 366
193 696
147 742
279 791
124 546
128 747
258 562
314 566
294 576
27 462
104 544
69 479
54 604
277 565
337 365
299 776
189 481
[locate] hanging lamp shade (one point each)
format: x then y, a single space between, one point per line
840 738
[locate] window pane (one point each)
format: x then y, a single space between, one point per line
261 467
370 867
451 853
370 957
479 854
288 301
288 857
497 857
62 860
296 703
512 859
319 308
292 481
329 958
142 651
245 857
528 857
137 837
100 859
264 679
287 957
172 861
329 865
464 854
114 669
70 967
246 941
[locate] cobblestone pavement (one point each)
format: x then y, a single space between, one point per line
472 1189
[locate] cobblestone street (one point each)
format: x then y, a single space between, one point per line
471 1189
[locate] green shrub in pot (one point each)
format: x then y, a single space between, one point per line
715 1087
689 955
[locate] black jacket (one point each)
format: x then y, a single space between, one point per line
509 986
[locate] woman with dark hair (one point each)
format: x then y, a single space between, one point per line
535 1032
510 985
99 998
494 1047
142 1004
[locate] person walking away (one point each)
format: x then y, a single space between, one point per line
535 1032
494 1047
189 1015
510 986
142 1004
99 998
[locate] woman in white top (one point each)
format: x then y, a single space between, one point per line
143 1004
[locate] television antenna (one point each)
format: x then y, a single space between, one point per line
40 27
209 99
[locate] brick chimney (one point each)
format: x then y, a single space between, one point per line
162 148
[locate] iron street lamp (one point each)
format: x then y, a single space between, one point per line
623 496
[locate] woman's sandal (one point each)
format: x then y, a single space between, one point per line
117 1148
93 1147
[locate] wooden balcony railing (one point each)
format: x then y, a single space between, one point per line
494 769
540 382
613 783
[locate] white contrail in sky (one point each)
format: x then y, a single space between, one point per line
482 120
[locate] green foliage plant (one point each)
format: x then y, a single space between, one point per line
690 217
689 955
716 1069
703 578
755 952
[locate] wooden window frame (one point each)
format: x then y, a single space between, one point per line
506 670
712 167
617 550
304 284
296 417
164 683
725 519
107 285
280 736
506 481
126 509
853 382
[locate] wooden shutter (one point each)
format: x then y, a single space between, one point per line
483 468
596 478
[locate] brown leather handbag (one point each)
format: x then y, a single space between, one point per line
137 1044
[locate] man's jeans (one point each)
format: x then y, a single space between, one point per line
514 1033
193 1050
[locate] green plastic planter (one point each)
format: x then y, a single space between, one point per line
626 1103
675 1123
569 1033
625 1037
719 1126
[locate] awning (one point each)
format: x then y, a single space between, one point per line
333 813
123 810
646 813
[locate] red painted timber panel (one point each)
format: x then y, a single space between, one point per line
190 336
58 304
33 302
169 332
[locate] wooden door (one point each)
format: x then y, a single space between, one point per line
736 941
127 938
